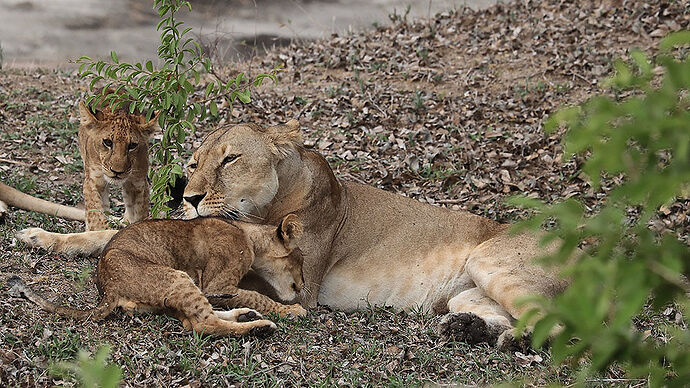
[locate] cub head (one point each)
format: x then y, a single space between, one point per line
118 139
233 173
276 256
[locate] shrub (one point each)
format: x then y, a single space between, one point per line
645 139
167 89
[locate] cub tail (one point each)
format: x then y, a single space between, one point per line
17 287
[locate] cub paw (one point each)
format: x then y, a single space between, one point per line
295 310
239 315
468 328
249 316
35 237
264 330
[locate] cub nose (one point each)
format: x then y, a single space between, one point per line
116 172
195 199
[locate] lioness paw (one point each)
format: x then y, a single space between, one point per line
35 237
509 341
469 328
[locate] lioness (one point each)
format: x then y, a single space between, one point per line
363 245
177 267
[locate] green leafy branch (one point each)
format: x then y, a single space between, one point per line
168 90
645 140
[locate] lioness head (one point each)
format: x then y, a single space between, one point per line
233 173
277 258
117 138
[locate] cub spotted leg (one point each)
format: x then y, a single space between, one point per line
96 202
162 288
222 284
136 198
255 300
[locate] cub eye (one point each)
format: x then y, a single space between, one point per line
108 143
191 166
132 146
230 159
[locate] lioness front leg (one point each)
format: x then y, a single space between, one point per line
257 301
85 243
136 198
96 202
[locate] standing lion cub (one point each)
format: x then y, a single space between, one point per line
114 147
182 267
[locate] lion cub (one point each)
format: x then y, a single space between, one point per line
114 147
180 267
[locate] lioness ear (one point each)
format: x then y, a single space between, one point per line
284 138
85 115
289 230
151 126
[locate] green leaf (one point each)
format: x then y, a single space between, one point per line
675 39
113 55
213 108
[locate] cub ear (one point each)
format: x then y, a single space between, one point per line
284 138
289 230
86 117
151 126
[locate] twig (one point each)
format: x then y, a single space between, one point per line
451 201
265 370
3 160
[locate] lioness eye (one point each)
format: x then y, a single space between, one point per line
132 146
108 143
192 166
230 159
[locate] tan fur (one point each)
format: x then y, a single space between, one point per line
114 148
183 267
16 198
363 245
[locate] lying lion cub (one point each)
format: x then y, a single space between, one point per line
176 267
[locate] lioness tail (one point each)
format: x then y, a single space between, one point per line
16 198
20 288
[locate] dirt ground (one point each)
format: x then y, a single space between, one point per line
49 33
447 110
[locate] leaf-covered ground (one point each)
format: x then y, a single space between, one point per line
447 110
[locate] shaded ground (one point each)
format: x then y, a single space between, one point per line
447 110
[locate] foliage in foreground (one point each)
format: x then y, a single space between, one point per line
167 90
643 140
92 372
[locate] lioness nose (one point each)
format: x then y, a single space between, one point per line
195 199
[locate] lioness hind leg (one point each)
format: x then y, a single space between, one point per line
474 318
504 270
